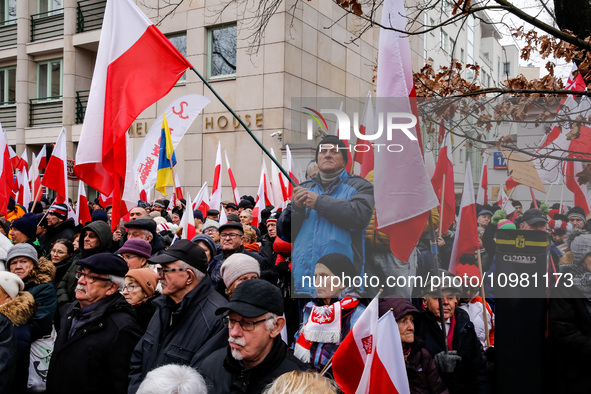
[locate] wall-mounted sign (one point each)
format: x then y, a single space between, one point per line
499 162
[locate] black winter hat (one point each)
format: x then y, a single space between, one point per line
333 140
27 224
254 298
105 263
338 264
184 250
144 224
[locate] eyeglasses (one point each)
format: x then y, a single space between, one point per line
210 231
127 256
233 235
245 325
161 270
58 252
90 278
130 288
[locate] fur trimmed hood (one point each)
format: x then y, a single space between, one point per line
20 309
43 272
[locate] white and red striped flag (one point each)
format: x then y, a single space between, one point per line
14 159
260 203
482 195
504 202
466 238
580 144
178 191
42 158
82 212
444 172
277 188
34 177
364 159
56 173
6 179
23 163
370 358
201 201
24 191
399 176
188 223
235 192
430 163
575 82
126 80
216 190
289 168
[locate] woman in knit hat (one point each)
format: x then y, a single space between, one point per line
136 253
236 269
323 330
37 276
140 291
570 317
16 310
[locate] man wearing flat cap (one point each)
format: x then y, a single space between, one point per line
255 354
144 228
184 329
98 332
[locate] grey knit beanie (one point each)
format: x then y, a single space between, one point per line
580 247
210 223
237 265
21 250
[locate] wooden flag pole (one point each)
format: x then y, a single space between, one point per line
484 311
36 198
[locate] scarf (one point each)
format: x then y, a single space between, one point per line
450 334
323 326
327 179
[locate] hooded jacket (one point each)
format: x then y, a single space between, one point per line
14 357
66 287
65 229
95 358
336 224
39 284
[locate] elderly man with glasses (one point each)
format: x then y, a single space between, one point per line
184 328
98 332
255 355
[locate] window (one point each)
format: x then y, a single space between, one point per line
507 68
49 79
452 45
7 86
462 55
221 49
50 5
446 6
444 40
180 42
432 22
8 11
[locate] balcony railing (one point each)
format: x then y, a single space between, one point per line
90 15
45 111
81 101
8 115
47 25
8 33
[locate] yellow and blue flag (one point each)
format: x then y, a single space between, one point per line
166 159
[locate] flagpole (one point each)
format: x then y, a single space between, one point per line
548 194
259 143
533 198
561 195
36 197
484 314
442 201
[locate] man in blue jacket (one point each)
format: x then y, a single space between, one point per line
328 214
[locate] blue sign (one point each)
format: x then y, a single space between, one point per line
499 162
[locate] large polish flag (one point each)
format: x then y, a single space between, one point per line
56 173
466 239
370 358
6 179
582 146
444 174
42 158
482 196
364 159
400 176
188 223
136 65
201 201
235 191
82 212
216 190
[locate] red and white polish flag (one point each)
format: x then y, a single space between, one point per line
216 190
370 358
400 176
56 173
23 163
24 191
504 202
178 191
82 212
201 201
277 189
444 172
482 195
42 158
188 223
235 191
289 168
364 159
6 179
34 177
126 80
260 203
14 159
466 239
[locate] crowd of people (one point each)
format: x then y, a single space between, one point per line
139 310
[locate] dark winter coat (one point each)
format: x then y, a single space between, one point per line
224 374
39 284
423 376
145 311
95 359
65 229
267 252
570 335
196 331
66 287
470 376
18 311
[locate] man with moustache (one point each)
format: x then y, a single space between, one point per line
255 355
184 329
98 332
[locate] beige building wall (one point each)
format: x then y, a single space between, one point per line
308 52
